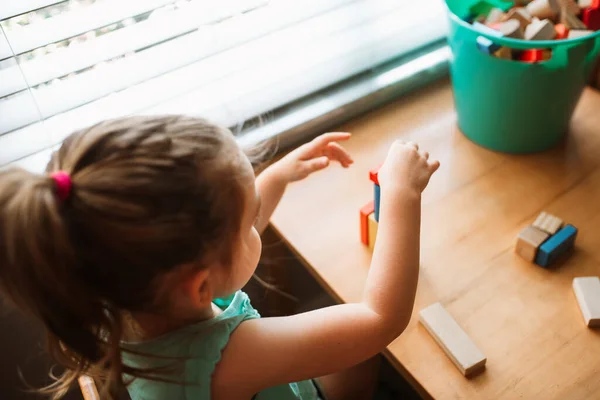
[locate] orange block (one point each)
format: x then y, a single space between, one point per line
562 32
367 210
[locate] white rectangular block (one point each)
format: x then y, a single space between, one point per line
452 339
587 291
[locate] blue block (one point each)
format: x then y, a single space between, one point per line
377 196
557 245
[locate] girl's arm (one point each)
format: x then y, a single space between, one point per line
266 352
297 165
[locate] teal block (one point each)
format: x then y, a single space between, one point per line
377 197
557 245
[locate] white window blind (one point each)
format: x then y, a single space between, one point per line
67 64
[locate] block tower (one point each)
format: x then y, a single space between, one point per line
369 213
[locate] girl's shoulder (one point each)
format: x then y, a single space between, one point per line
187 356
235 309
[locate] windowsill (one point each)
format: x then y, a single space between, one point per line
332 106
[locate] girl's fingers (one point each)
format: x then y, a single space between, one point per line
424 154
321 141
316 164
413 144
433 165
339 154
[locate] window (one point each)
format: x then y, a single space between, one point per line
67 64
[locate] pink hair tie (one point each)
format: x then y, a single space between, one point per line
63 184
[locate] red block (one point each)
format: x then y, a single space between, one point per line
533 56
367 210
373 175
562 32
591 16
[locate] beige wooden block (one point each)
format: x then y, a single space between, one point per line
572 22
548 223
577 33
457 345
512 29
373 226
504 53
528 242
542 30
521 15
496 15
584 3
587 292
543 8
569 6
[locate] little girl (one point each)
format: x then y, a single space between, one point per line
126 249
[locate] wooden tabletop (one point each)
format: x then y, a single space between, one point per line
523 317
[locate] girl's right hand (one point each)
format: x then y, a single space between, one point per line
406 167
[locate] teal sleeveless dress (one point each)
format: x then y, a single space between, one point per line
186 359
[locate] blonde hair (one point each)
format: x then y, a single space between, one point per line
148 194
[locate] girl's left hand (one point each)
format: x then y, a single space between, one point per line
314 156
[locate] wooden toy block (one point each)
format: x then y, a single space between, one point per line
367 210
587 292
373 227
488 29
556 246
504 53
457 345
475 18
572 22
495 26
377 198
521 15
591 16
562 32
528 242
536 55
374 175
569 6
495 15
542 30
486 46
577 33
512 29
543 8
585 3
548 223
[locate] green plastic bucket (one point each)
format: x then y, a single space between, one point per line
508 105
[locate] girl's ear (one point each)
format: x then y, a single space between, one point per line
199 289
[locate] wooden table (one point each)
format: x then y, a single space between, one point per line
524 318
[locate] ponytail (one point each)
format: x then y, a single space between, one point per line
38 273
79 249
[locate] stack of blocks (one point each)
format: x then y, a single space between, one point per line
546 241
532 20
369 214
